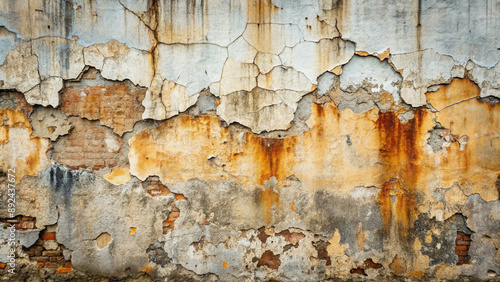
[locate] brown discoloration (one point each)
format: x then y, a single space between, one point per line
369 263
292 237
268 198
263 235
400 154
261 11
398 265
271 155
16 136
358 270
322 249
270 260
360 236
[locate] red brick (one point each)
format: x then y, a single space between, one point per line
63 269
461 248
2 265
41 264
105 102
461 253
464 243
93 153
67 264
49 236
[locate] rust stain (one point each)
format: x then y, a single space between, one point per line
360 236
398 265
33 159
273 156
224 264
292 207
261 11
268 198
132 230
400 154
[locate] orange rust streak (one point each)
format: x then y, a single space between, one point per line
268 198
399 152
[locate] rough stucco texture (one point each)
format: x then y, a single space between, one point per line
252 140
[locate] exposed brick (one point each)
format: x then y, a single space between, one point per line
36 248
15 100
118 105
41 264
461 248
2 265
51 264
63 269
461 253
67 264
84 146
464 243
39 258
51 253
49 236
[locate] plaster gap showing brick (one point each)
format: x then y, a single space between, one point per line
117 105
154 187
89 146
48 253
168 224
462 245
15 100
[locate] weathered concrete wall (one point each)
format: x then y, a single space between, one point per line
250 140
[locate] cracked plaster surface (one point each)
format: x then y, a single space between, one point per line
291 140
